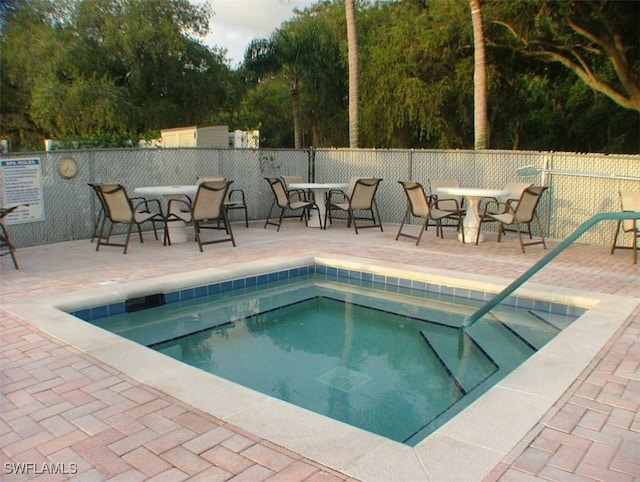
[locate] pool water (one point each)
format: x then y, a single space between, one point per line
386 359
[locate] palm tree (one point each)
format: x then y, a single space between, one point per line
479 79
287 53
354 74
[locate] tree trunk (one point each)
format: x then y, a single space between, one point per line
297 114
354 75
479 79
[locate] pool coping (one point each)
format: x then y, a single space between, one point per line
466 448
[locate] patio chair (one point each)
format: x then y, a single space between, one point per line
337 196
5 241
519 215
100 216
448 203
629 201
362 198
208 205
235 197
515 188
418 207
295 194
282 200
120 209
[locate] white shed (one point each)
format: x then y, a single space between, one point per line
196 136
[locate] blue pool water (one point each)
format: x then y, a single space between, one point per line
380 353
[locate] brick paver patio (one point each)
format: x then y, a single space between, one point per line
63 411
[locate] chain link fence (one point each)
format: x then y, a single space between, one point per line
580 185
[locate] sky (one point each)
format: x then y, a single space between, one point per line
236 23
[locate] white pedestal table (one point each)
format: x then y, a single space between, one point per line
319 190
471 220
177 229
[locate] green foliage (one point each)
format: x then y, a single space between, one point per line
108 71
82 68
104 140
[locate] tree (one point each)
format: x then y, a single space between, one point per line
597 41
306 54
481 140
82 68
354 74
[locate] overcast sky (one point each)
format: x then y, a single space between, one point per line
236 22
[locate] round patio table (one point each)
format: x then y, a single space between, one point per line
471 220
177 229
319 190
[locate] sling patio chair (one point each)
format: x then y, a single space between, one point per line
120 209
518 216
235 197
448 203
208 205
6 246
418 206
500 203
629 202
100 216
362 198
295 194
281 198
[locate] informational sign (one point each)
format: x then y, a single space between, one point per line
21 184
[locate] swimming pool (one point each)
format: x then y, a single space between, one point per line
471 443
382 353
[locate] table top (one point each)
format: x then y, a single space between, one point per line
188 190
473 191
318 185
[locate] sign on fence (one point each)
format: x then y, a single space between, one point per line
21 184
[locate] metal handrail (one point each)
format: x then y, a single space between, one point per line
489 305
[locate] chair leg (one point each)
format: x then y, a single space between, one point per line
280 220
544 245
401 226
97 224
268 221
196 226
4 239
478 233
500 232
615 236
100 235
423 228
126 242
228 228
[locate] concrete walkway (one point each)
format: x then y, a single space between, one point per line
66 416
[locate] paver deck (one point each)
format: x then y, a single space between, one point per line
63 411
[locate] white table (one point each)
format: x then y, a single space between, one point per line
177 229
471 220
319 190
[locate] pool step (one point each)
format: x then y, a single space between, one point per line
467 364
530 326
504 346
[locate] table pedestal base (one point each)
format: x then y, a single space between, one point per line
178 232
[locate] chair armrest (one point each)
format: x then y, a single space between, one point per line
436 202
184 207
236 193
300 193
336 192
147 203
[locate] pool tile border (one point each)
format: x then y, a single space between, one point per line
364 278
